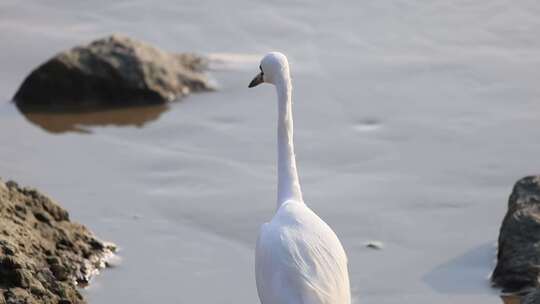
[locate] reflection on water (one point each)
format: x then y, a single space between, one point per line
77 120
511 299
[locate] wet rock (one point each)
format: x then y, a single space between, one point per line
45 256
533 297
115 70
518 258
374 245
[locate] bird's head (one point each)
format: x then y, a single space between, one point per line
274 68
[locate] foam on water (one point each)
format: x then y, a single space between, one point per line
232 61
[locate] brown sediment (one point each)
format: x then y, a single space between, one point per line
44 255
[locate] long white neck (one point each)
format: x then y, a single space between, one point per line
288 183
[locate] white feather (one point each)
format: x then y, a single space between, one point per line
298 258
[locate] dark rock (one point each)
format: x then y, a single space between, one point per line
9 272
42 217
60 272
533 297
7 248
12 185
43 257
115 70
518 258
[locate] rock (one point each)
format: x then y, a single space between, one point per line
43 255
374 245
518 257
115 70
533 297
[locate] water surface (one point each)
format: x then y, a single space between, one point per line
413 120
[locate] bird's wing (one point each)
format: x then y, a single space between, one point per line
301 263
263 254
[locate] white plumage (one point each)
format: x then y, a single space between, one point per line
298 258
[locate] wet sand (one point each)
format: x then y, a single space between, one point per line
412 120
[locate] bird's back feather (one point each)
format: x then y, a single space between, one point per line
299 259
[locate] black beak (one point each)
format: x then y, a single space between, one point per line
256 81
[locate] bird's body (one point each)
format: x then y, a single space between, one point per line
298 259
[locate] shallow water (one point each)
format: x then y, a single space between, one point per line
413 121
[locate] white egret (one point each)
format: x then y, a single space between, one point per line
298 259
